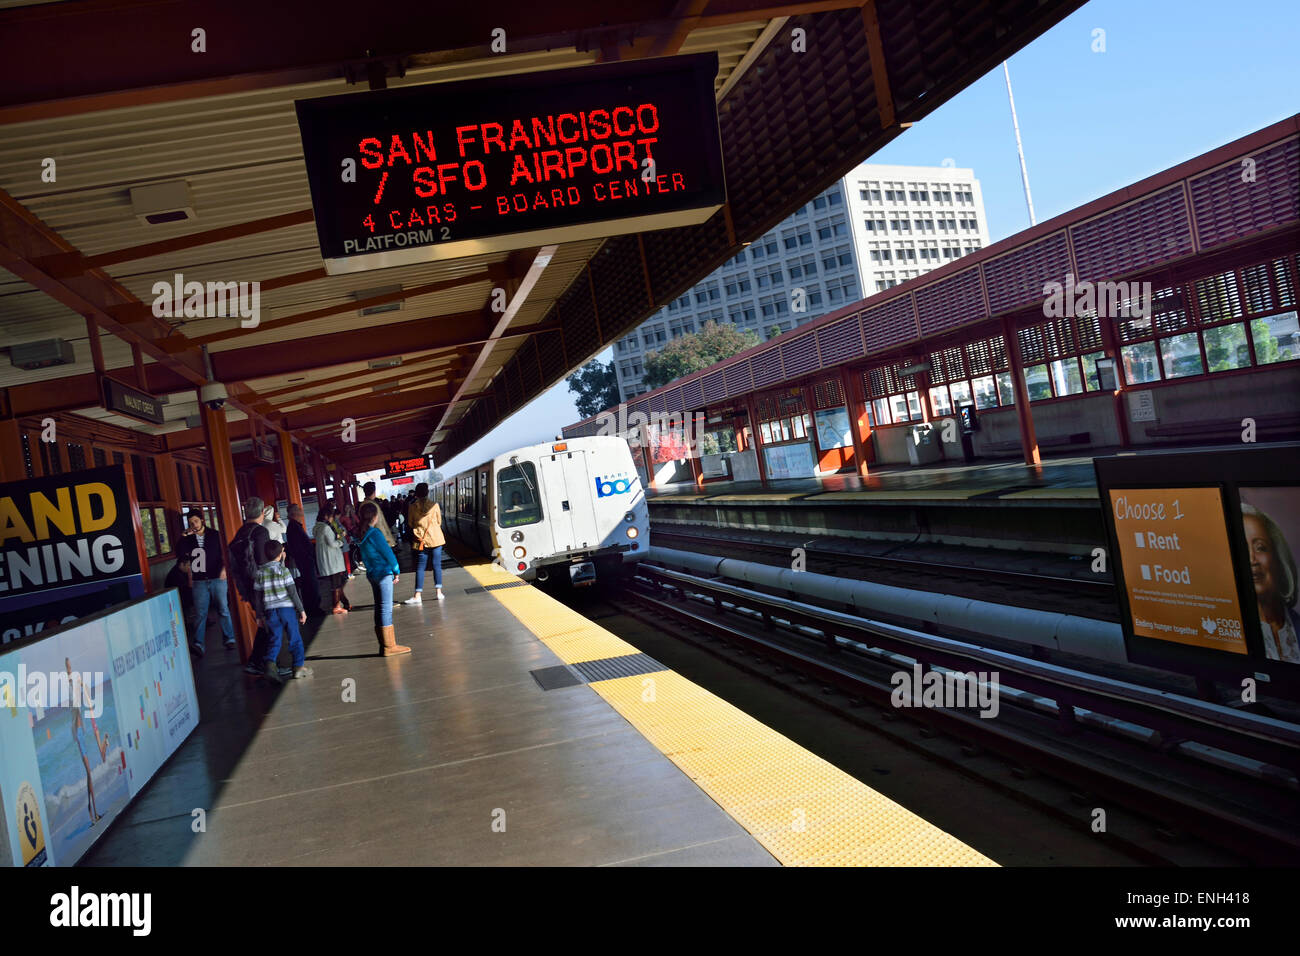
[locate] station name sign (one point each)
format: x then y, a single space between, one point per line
446 170
132 402
406 466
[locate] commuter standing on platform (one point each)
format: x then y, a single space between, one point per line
247 553
425 521
275 529
382 572
201 549
303 554
329 558
382 524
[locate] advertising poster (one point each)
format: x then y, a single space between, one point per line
1270 520
789 461
67 549
1177 565
833 428
89 715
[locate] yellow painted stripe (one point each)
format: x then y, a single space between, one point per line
916 494
1070 493
804 810
774 496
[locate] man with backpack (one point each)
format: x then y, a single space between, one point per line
247 554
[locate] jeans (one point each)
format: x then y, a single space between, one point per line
278 621
424 557
383 592
211 591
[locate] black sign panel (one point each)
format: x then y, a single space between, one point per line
406 466
1202 548
131 402
62 538
454 169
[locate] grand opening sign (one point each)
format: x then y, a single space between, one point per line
456 169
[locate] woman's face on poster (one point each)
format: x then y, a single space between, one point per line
1263 563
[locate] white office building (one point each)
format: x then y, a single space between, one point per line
875 228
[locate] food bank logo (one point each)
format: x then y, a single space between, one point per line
618 486
213 300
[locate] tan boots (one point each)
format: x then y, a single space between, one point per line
388 646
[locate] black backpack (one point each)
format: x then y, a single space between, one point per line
243 556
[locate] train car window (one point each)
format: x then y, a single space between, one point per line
483 490
517 495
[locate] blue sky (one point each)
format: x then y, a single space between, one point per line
1177 78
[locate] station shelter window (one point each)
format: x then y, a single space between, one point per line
1060 356
783 417
667 440
518 500
1236 319
894 398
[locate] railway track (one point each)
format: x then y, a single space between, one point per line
1166 770
1092 596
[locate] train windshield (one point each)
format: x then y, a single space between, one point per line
517 495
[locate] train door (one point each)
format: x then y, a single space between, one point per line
570 499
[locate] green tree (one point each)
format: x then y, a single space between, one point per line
773 331
596 386
690 353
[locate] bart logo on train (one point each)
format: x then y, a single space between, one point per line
618 486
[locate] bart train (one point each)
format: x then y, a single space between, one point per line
572 509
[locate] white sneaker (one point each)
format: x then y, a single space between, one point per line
414 600
441 596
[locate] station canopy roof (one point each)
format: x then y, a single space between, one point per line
115 96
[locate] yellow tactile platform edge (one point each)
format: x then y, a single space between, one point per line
802 809
1073 493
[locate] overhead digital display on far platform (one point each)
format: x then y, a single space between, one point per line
446 170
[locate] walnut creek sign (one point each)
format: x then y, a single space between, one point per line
446 170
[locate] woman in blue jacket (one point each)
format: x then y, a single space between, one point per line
382 572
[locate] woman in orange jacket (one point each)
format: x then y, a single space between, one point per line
424 518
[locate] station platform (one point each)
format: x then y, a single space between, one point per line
458 755
1062 481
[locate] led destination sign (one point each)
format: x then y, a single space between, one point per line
405 466
455 169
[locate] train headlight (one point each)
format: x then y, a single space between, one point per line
629 516
632 532
520 552
517 537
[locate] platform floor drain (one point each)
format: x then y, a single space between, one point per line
497 587
609 668
553 678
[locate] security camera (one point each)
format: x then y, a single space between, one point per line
213 395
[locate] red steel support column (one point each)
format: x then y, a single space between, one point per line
1024 414
11 451
217 439
750 408
289 466
318 469
137 527
170 487
859 424
1110 342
